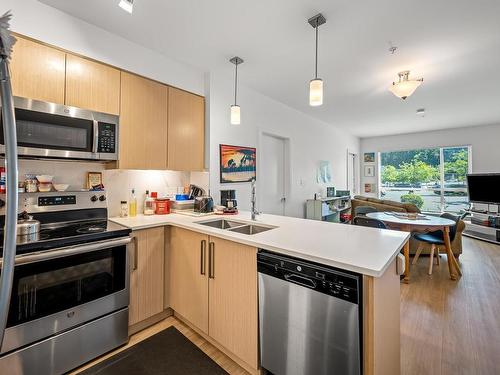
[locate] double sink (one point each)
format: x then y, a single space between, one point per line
236 226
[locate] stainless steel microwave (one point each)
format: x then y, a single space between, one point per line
48 130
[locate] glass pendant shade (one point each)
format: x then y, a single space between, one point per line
235 115
127 5
316 92
405 87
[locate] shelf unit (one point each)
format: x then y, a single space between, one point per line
327 209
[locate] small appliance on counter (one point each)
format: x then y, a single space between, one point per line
228 200
203 204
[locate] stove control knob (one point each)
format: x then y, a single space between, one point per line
102 198
93 198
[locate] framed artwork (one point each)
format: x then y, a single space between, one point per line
370 188
369 171
369 157
237 164
94 180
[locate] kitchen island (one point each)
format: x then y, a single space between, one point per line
369 252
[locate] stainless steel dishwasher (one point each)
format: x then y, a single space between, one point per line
309 317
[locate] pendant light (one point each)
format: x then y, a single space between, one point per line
235 108
127 5
316 84
405 86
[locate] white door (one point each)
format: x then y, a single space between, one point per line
272 194
352 170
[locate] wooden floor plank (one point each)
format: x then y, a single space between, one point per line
453 327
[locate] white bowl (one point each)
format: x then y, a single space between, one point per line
61 187
44 178
44 187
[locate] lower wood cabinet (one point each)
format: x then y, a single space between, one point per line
233 308
213 285
188 276
147 274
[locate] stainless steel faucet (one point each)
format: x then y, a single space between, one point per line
253 201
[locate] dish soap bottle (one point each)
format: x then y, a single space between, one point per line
132 205
149 205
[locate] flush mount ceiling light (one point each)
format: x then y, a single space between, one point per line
127 5
235 108
405 86
316 84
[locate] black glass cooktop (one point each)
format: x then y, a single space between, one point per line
59 234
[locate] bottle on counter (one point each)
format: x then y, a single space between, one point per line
149 204
123 209
132 204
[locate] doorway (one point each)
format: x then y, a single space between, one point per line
352 172
273 174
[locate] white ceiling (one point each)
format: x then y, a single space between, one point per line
453 44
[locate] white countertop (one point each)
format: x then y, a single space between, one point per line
368 251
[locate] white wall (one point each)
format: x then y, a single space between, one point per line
52 26
310 141
484 141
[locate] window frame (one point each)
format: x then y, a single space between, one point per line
441 169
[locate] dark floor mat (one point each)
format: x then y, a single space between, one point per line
166 353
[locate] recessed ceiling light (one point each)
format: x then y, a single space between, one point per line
127 5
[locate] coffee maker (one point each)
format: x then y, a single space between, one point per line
228 198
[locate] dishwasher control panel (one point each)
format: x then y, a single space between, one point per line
328 280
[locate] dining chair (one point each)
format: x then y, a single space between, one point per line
369 222
363 210
436 240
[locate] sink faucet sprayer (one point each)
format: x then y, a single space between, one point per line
253 201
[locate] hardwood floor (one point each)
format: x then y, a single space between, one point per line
453 327
447 327
220 358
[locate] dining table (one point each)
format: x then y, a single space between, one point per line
420 223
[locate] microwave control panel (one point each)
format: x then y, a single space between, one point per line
107 138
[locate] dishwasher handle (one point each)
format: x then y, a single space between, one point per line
300 280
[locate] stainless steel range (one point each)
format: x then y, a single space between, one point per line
70 295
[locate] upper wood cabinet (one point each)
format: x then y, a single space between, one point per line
147 275
186 131
233 311
189 276
92 85
143 123
38 71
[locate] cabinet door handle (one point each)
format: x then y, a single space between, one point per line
203 254
211 260
136 253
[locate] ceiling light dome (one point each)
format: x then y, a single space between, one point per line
405 86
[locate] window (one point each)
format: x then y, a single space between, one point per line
434 179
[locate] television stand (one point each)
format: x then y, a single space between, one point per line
482 231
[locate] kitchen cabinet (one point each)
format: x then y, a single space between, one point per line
189 276
233 311
213 285
38 71
147 275
92 85
186 131
143 123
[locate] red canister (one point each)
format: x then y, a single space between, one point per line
162 206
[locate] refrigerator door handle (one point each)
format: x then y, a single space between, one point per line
10 137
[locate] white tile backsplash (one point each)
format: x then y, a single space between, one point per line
117 182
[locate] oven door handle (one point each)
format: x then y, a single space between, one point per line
68 251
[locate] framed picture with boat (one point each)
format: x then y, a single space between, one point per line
237 164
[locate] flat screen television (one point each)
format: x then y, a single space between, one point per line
484 188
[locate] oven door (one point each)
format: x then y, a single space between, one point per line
59 289
51 130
